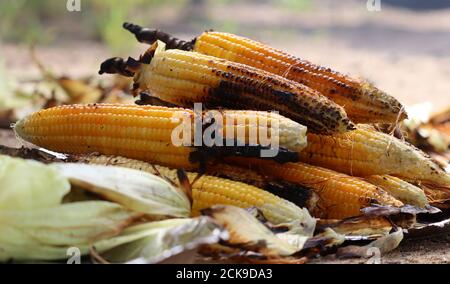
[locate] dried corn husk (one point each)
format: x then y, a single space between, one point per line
27 185
36 226
156 241
248 233
136 190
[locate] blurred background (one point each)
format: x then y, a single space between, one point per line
404 48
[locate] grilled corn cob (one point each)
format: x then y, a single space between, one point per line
145 132
300 196
362 101
340 195
185 78
365 152
400 189
210 190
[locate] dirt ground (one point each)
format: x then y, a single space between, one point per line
434 250
405 53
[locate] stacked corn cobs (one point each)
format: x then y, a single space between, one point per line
331 159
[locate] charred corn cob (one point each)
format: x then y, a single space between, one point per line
185 78
362 101
300 196
210 190
400 189
146 132
365 152
340 195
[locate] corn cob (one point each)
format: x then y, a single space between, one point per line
300 196
185 78
340 195
365 152
131 131
362 101
400 189
145 132
210 190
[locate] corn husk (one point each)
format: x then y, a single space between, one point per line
34 223
28 185
48 233
375 249
157 241
248 233
136 190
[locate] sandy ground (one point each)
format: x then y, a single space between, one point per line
405 53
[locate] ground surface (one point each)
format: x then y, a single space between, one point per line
405 53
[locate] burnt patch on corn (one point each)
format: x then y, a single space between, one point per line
147 99
147 57
243 93
203 154
133 65
297 194
237 174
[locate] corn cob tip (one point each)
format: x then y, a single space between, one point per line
115 65
396 109
20 131
133 28
18 128
143 35
150 36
